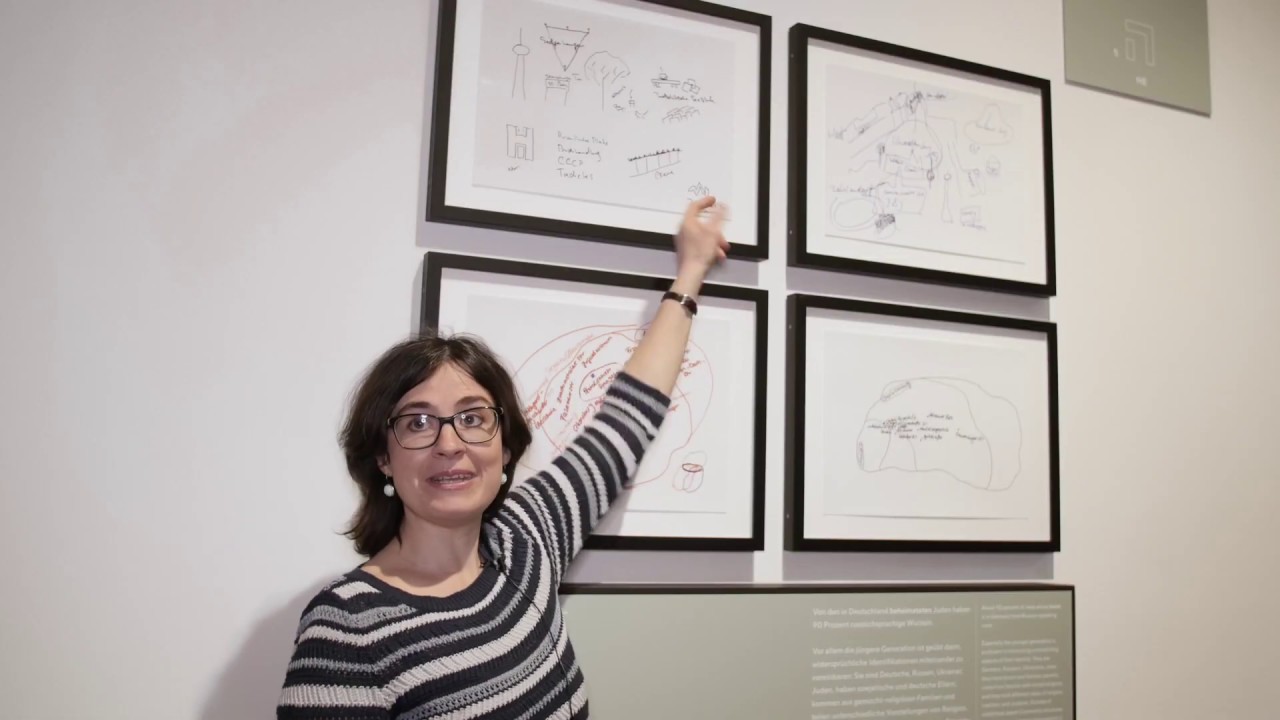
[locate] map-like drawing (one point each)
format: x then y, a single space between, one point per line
898 159
947 425
918 166
563 384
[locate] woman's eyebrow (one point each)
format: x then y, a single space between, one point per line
466 402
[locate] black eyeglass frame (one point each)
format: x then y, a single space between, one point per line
448 420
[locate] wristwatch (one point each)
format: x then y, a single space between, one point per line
690 305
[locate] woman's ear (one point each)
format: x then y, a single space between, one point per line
384 464
506 457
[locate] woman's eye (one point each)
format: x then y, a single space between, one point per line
470 419
419 423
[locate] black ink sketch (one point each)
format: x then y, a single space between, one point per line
519 142
698 190
649 162
517 82
680 114
557 86
947 425
971 217
565 42
903 155
605 69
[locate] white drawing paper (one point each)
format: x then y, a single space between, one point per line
583 105
921 168
603 113
918 430
564 346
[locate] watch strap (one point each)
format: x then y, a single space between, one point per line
690 305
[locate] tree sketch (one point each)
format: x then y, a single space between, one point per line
605 69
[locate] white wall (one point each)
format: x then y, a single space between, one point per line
212 221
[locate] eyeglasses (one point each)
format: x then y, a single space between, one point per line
418 431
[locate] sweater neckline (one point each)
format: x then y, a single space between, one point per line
468 596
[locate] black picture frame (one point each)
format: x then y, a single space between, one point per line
796 535
437 264
439 209
871 258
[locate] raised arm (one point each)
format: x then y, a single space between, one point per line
562 504
700 244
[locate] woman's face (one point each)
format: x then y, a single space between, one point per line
452 482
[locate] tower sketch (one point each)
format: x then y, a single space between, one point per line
517 82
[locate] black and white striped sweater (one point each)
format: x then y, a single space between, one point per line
497 649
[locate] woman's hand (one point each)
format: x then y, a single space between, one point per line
700 242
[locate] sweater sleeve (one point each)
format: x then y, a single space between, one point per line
563 503
331 676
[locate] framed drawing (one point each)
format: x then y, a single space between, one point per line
914 429
564 332
913 165
601 119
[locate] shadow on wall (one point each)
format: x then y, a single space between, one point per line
249 686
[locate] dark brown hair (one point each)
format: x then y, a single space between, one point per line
365 433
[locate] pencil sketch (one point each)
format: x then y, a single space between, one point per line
945 425
565 42
605 69
520 50
519 142
664 82
680 114
652 161
557 88
990 129
615 107
921 167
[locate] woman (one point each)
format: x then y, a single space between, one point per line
456 612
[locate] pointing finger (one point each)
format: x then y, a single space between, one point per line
697 206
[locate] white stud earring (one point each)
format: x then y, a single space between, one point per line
389 490
504 478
